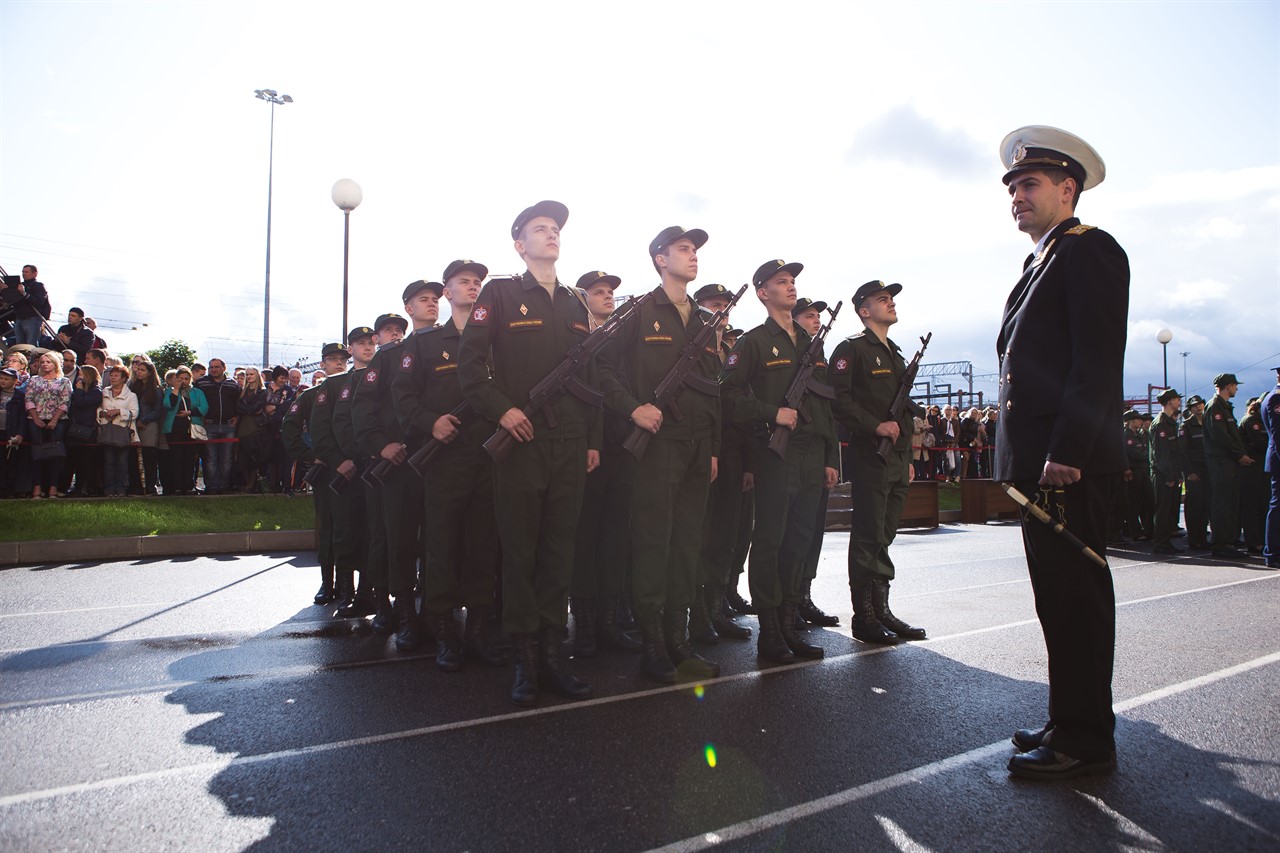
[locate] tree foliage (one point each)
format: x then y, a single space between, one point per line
170 354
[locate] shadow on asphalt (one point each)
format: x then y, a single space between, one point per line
635 769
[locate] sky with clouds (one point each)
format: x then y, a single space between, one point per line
859 139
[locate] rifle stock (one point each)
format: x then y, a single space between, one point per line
903 395
802 384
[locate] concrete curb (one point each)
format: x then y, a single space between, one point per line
129 547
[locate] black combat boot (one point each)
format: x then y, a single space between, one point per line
771 647
880 603
584 626
626 618
612 634
475 642
525 690
720 620
344 593
448 643
384 615
656 665
690 665
799 646
736 602
701 631
552 670
325 594
408 632
812 613
866 627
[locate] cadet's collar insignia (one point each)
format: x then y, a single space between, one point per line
775 350
657 327
479 314
445 355
877 361
524 309
371 376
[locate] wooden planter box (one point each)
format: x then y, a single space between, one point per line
981 500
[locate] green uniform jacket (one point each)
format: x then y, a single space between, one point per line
1136 452
323 442
1221 433
372 413
640 357
296 425
425 385
344 431
755 378
867 375
1167 458
516 335
1254 438
1191 437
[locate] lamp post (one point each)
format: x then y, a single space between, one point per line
1164 336
273 98
346 194
1184 369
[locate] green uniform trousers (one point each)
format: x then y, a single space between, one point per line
375 534
815 545
1196 512
324 527
537 497
350 533
787 494
879 492
602 549
395 508
1224 509
723 519
668 503
460 531
1165 518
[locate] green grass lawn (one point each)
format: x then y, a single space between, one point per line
948 496
27 520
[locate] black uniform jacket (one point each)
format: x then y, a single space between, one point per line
1061 351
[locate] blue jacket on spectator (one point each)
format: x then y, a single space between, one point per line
199 405
14 416
84 406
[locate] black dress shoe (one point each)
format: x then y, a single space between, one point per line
1045 764
324 595
1028 739
1165 549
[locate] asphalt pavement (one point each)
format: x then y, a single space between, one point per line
202 704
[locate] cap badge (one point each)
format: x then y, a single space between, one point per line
719 288
775 350
780 262
600 273
524 309
1019 152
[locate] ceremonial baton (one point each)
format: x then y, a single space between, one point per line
1057 526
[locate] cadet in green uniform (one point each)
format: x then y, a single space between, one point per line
1139 501
670 484
373 578
295 433
708 619
396 500
519 332
460 534
734 602
351 534
787 490
809 315
1225 454
1255 485
1167 465
867 370
602 552
1195 515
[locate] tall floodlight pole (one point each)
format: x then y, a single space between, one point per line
347 195
273 98
1184 369
1164 336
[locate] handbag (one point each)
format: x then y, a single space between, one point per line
45 451
81 432
115 435
198 432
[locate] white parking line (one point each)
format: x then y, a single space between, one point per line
919 774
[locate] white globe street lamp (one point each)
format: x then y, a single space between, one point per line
347 195
1164 336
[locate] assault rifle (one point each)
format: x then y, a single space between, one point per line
802 384
903 397
422 458
339 483
682 374
564 377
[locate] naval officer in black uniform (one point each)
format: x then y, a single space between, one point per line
1061 349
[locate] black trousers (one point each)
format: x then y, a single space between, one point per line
1076 604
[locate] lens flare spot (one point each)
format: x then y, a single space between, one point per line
699 692
711 755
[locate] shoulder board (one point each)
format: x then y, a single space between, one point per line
1080 229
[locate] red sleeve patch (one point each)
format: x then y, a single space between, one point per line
480 315
841 365
406 363
321 398
732 361
371 377
293 408
1217 416
346 392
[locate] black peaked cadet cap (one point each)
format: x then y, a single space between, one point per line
359 332
1222 380
386 319
413 289
589 280
667 236
553 209
463 265
711 291
334 349
803 305
769 269
870 289
1194 400
1167 395
1131 415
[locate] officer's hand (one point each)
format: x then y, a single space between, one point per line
889 430
748 481
1246 460
347 469
715 468
394 453
445 429
1061 475
1128 476
647 417
593 460
830 477
517 423
787 417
